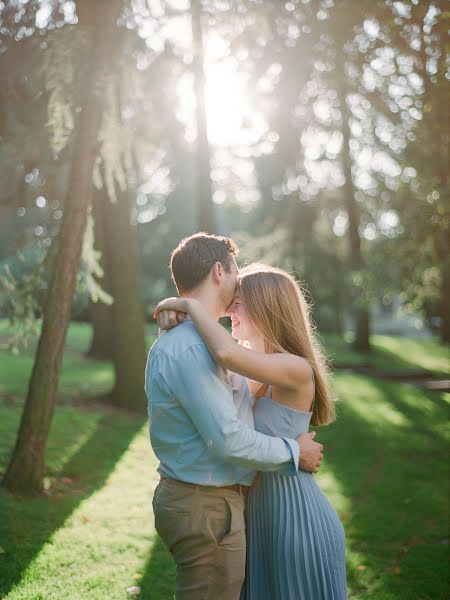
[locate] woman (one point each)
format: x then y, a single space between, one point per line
295 540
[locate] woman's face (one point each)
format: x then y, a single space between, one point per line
242 327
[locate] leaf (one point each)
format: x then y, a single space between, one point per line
85 519
137 576
361 567
397 570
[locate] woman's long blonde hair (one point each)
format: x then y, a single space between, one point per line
276 305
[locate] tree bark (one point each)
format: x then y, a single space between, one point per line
205 205
360 311
26 469
128 331
101 347
338 324
445 310
443 137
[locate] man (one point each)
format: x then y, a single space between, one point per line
201 430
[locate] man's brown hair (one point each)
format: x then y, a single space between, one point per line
193 258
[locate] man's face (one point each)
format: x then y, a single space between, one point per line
229 284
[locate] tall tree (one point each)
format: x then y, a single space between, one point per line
356 260
128 331
432 186
101 347
204 203
119 327
26 468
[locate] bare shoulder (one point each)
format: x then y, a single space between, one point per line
296 388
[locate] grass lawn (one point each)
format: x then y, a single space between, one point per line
391 353
79 377
385 471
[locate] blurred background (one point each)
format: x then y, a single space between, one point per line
314 132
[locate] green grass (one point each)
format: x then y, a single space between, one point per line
391 353
79 377
386 474
94 534
385 471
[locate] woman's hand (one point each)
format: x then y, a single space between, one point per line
171 311
178 304
167 319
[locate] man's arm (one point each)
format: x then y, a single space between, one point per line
209 403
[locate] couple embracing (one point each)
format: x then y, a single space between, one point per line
237 504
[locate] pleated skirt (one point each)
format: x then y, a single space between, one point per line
295 541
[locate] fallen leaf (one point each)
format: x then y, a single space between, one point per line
85 519
66 480
138 576
397 570
361 567
134 590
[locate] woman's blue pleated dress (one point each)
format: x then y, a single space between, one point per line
295 540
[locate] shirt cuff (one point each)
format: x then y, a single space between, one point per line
292 466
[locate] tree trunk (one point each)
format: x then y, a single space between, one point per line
445 295
443 136
26 469
360 311
338 305
128 332
101 313
205 205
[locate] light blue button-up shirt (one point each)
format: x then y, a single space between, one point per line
201 422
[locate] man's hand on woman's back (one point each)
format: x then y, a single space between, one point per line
311 452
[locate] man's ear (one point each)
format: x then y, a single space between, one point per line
217 272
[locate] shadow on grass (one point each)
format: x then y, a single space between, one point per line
386 454
28 523
159 574
342 355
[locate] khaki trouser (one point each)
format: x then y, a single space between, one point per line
204 529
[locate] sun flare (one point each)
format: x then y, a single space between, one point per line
232 119
226 104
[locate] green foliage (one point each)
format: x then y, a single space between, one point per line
23 281
91 271
61 63
397 121
114 162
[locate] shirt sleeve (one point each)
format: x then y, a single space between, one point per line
208 400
